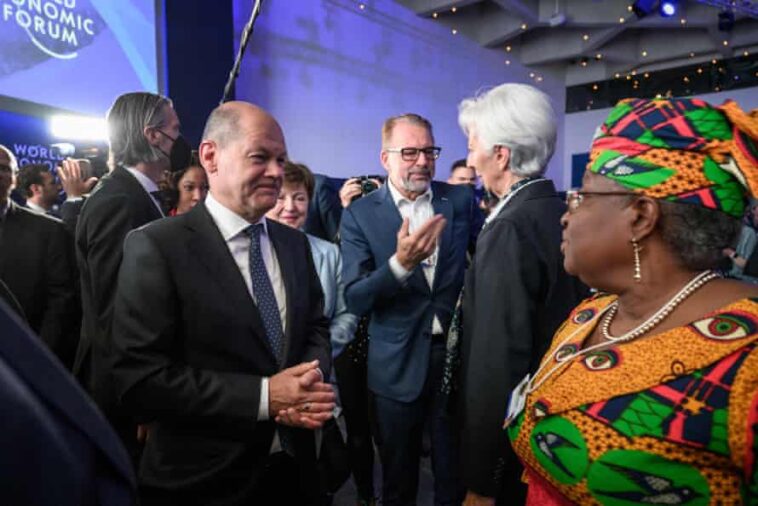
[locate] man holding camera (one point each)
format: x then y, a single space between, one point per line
404 252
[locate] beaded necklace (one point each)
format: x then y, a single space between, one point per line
659 315
696 283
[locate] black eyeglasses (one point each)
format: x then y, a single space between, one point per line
575 197
412 154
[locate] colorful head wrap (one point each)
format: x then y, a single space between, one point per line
681 150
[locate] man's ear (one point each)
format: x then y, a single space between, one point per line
502 157
207 154
152 135
383 158
36 189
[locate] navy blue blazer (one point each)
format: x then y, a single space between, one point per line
57 449
402 314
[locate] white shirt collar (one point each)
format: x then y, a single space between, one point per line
34 207
398 197
229 223
146 183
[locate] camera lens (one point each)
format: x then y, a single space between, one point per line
367 186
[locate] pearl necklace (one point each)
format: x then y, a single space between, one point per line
696 283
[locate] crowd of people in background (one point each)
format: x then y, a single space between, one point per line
224 306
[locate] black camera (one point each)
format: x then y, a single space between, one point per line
367 185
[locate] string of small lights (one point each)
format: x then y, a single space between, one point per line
716 75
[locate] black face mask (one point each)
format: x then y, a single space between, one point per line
181 153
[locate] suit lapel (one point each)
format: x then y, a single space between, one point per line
8 223
287 268
211 250
388 215
444 207
131 182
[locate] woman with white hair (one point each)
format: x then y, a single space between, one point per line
516 291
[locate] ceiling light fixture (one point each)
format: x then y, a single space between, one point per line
667 8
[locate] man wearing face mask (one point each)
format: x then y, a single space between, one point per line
144 142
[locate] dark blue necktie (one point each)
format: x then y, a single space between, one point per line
264 293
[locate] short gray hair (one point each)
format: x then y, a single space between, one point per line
127 119
222 126
518 117
696 234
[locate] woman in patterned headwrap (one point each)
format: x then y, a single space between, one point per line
649 392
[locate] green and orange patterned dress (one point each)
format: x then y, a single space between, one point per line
669 419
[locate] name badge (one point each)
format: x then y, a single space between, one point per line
516 402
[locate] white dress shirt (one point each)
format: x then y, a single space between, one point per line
148 184
418 212
34 207
232 227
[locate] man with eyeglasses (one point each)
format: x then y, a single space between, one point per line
404 252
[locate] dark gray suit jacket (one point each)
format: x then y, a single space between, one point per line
37 265
191 349
515 296
117 205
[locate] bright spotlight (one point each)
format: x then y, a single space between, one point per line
78 128
668 9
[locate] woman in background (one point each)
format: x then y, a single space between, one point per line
185 188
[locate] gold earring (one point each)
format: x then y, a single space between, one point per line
637 269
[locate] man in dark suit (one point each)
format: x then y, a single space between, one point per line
37 266
38 185
220 337
404 252
142 129
517 292
57 448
